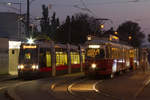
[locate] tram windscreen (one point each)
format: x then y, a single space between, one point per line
28 56
95 53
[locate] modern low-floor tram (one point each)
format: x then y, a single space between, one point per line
49 59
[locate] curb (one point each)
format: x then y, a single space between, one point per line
8 78
10 93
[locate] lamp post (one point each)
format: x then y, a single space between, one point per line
28 18
101 29
129 38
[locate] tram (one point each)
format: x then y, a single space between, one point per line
47 58
106 58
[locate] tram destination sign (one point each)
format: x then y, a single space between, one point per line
29 46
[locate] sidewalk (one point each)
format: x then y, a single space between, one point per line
7 77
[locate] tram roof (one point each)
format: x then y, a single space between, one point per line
50 44
104 41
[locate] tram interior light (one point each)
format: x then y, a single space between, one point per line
75 62
128 63
94 46
121 61
114 68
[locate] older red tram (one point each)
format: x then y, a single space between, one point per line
107 58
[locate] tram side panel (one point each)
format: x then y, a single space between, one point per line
45 63
116 60
36 60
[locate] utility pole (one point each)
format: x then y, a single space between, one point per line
20 17
28 18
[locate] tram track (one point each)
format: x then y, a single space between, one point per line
10 91
83 89
70 90
91 94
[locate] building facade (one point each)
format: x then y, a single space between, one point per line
4 56
11 31
10 26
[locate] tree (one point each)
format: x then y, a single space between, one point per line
48 26
131 32
54 24
44 22
76 28
148 37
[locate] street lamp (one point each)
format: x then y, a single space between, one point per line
101 26
130 37
9 3
116 33
101 29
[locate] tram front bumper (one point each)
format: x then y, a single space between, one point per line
98 72
28 73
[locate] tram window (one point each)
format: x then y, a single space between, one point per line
13 51
42 60
101 54
83 57
114 53
98 53
107 52
28 56
48 59
61 58
75 59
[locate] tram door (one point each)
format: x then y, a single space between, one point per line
45 58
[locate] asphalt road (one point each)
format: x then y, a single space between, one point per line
5 84
128 86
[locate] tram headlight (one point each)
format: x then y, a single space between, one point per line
35 67
20 66
93 66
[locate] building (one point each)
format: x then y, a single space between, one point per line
4 56
11 31
10 26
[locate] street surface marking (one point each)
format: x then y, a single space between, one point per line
94 87
146 82
71 85
2 88
69 88
53 86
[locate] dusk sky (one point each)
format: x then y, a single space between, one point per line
117 10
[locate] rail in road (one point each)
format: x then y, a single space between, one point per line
82 88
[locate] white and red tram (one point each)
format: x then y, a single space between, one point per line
107 58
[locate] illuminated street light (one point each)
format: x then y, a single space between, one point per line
9 3
129 37
89 37
30 40
102 26
116 33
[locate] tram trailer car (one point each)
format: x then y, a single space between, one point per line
105 58
36 60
